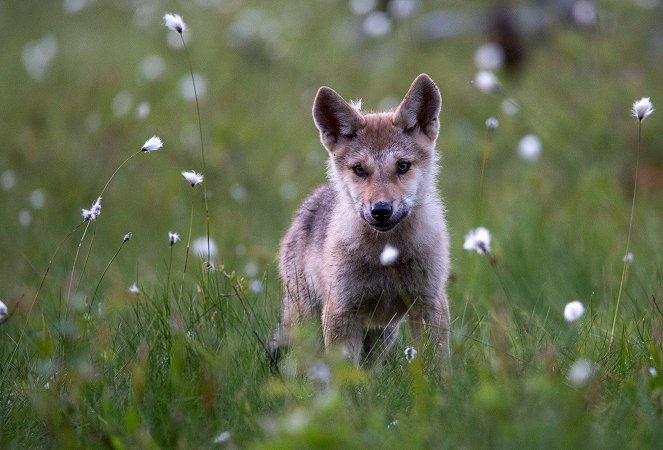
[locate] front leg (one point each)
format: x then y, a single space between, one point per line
342 329
431 319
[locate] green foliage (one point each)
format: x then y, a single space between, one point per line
185 360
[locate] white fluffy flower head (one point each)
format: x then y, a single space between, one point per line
3 310
487 82
93 212
580 371
628 258
134 289
152 144
573 311
173 238
529 148
174 22
192 177
492 123
410 353
128 236
478 240
642 109
389 255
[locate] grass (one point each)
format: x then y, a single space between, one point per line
181 363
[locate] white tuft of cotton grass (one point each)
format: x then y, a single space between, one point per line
478 240
192 177
487 82
642 108
152 144
573 311
173 238
93 212
174 22
389 255
529 148
580 372
3 310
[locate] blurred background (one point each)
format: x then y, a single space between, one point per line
84 83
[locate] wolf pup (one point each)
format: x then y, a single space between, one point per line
381 191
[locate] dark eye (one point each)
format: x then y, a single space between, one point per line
359 170
402 167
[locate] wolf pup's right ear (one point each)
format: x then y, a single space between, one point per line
334 117
420 107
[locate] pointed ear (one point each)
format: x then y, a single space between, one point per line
421 107
334 117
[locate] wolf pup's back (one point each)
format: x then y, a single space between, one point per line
381 192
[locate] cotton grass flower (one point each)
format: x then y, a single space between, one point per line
489 56
192 177
478 240
529 148
628 258
128 236
134 289
389 255
174 22
642 109
199 248
487 82
93 212
573 311
3 310
410 353
492 123
152 144
580 372
173 238
653 372
221 438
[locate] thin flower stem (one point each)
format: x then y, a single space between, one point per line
202 141
73 267
78 251
484 162
50 263
170 264
628 238
94 294
116 171
87 255
188 244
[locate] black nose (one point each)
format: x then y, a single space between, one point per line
381 211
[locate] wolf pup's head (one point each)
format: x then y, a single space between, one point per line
385 163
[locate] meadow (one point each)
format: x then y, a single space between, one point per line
178 360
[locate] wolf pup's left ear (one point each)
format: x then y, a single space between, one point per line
334 117
420 107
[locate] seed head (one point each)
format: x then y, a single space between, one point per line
478 240
127 236
3 310
152 144
93 212
492 123
580 371
388 255
192 177
410 353
573 311
173 238
134 289
174 22
642 109
487 82
628 258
